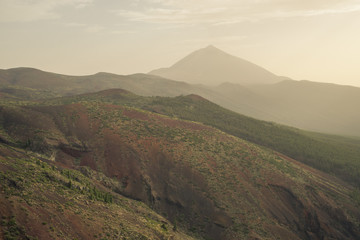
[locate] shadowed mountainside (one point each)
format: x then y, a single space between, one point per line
211 184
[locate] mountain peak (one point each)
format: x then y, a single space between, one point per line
211 47
212 66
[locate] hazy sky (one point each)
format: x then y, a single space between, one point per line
318 40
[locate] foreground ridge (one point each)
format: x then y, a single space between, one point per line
207 183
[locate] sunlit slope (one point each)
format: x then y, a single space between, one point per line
211 184
42 199
333 154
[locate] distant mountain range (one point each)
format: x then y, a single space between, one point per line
211 66
320 107
83 157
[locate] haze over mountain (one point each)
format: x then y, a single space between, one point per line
211 66
220 143
207 176
251 90
320 107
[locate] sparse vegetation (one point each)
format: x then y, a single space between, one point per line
39 183
211 184
336 155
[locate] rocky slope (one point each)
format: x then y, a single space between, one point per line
42 199
210 184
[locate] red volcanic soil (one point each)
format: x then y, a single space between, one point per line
166 121
135 114
211 182
36 202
